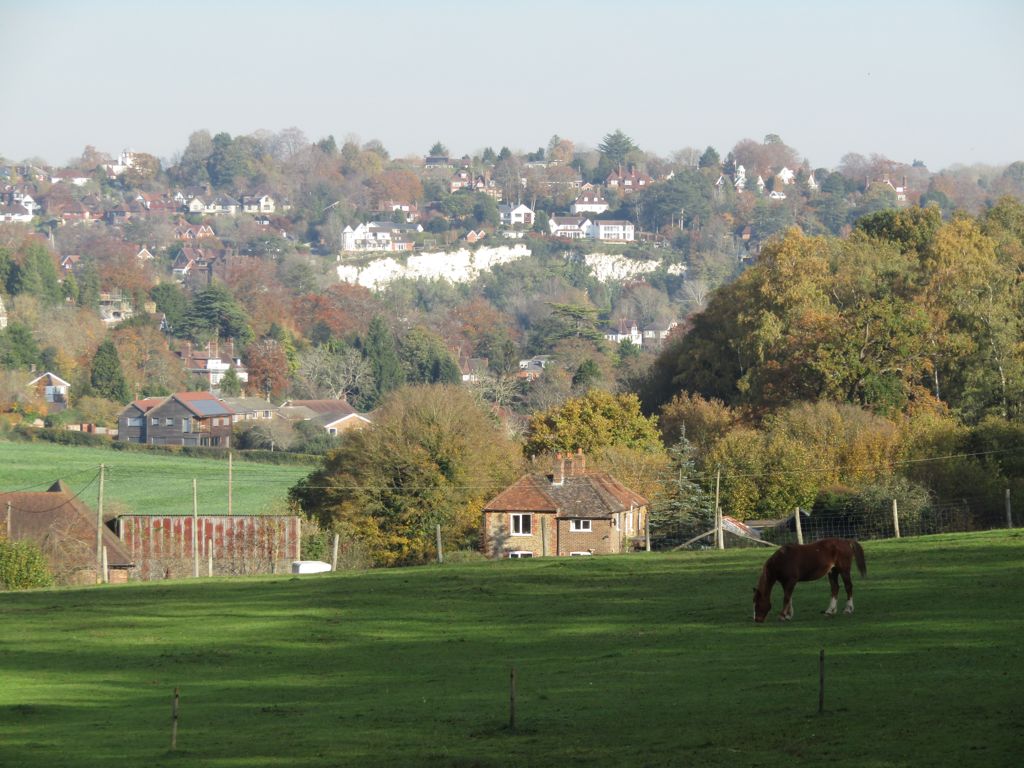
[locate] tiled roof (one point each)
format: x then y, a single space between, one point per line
337 408
586 495
63 527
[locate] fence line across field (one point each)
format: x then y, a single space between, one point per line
951 516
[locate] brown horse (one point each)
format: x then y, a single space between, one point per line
808 562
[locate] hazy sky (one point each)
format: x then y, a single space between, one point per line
937 81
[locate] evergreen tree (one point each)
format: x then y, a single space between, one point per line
615 146
215 312
18 347
709 159
382 353
106 377
36 275
686 510
230 384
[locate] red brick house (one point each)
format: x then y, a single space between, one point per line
569 511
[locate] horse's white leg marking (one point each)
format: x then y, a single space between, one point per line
849 605
831 610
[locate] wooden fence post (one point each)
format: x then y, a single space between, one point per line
821 681
543 535
209 557
334 554
195 532
719 537
440 552
1009 510
512 700
99 530
106 569
799 528
895 518
647 531
174 721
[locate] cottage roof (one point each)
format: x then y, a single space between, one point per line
583 495
51 378
63 527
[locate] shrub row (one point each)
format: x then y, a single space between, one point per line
72 437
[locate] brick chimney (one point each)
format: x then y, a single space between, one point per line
558 475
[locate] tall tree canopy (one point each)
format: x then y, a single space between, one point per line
433 456
592 422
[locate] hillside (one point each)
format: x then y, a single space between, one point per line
144 483
642 660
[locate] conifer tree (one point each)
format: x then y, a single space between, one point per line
382 354
686 510
106 377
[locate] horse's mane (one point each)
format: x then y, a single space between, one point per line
762 583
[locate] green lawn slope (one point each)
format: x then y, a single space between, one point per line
643 660
148 483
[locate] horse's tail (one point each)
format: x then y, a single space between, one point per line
858 553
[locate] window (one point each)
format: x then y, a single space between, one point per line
519 554
136 421
522 524
580 554
185 425
168 422
154 422
579 525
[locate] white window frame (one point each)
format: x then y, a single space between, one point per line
580 554
577 525
519 554
516 521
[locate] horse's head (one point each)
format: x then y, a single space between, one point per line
762 605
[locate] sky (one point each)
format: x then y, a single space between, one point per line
938 81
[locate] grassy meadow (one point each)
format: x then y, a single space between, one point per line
641 660
144 483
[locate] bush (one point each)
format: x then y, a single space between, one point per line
22 566
866 512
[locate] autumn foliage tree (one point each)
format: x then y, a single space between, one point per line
433 456
592 422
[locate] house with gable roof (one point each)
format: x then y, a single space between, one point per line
184 418
628 182
589 201
259 203
568 511
64 529
516 215
335 416
569 227
52 390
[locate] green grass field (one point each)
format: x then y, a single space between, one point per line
642 660
139 482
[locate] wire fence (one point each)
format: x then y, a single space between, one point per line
878 521
891 521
